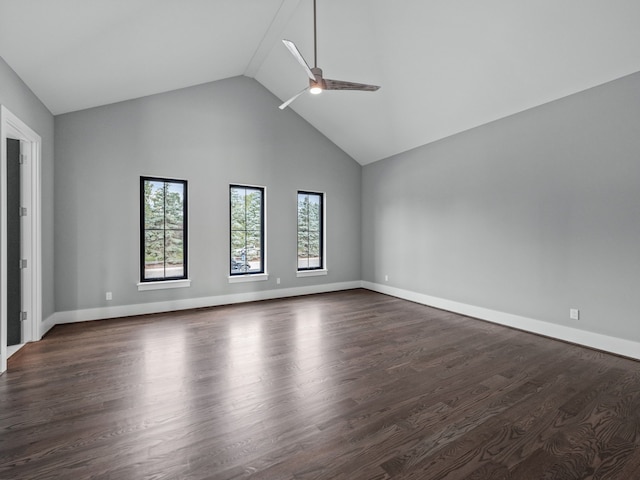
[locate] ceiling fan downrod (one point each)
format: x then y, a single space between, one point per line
315 37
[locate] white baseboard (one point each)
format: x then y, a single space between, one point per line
615 345
46 325
618 346
101 313
11 349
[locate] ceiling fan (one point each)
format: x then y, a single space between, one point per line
317 83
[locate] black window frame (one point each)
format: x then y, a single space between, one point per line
143 230
321 251
243 271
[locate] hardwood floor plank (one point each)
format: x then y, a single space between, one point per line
347 385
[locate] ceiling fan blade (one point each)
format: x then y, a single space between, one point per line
288 102
342 85
296 53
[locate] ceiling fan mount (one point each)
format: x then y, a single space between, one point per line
317 82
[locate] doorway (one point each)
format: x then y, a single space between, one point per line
20 244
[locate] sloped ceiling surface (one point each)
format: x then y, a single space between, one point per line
444 66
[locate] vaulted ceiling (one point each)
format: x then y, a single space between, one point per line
444 65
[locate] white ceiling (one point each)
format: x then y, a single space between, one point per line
444 65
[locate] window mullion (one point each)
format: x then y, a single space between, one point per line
246 231
164 229
308 231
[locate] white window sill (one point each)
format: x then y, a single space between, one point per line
164 285
311 273
256 277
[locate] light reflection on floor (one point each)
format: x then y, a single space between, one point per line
309 353
244 370
165 366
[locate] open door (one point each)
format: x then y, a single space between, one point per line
14 242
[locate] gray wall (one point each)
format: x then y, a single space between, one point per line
212 135
530 215
21 101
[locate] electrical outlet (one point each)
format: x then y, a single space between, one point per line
386 278
278 281
574 314
109 296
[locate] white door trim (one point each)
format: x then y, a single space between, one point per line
31 144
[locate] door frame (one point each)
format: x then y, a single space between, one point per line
30 148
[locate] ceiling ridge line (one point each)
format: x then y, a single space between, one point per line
271 36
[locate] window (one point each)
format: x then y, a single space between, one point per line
247 229
163 232
310 231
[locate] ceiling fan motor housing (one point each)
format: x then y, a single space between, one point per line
319 81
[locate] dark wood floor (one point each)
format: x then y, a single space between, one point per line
349 385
